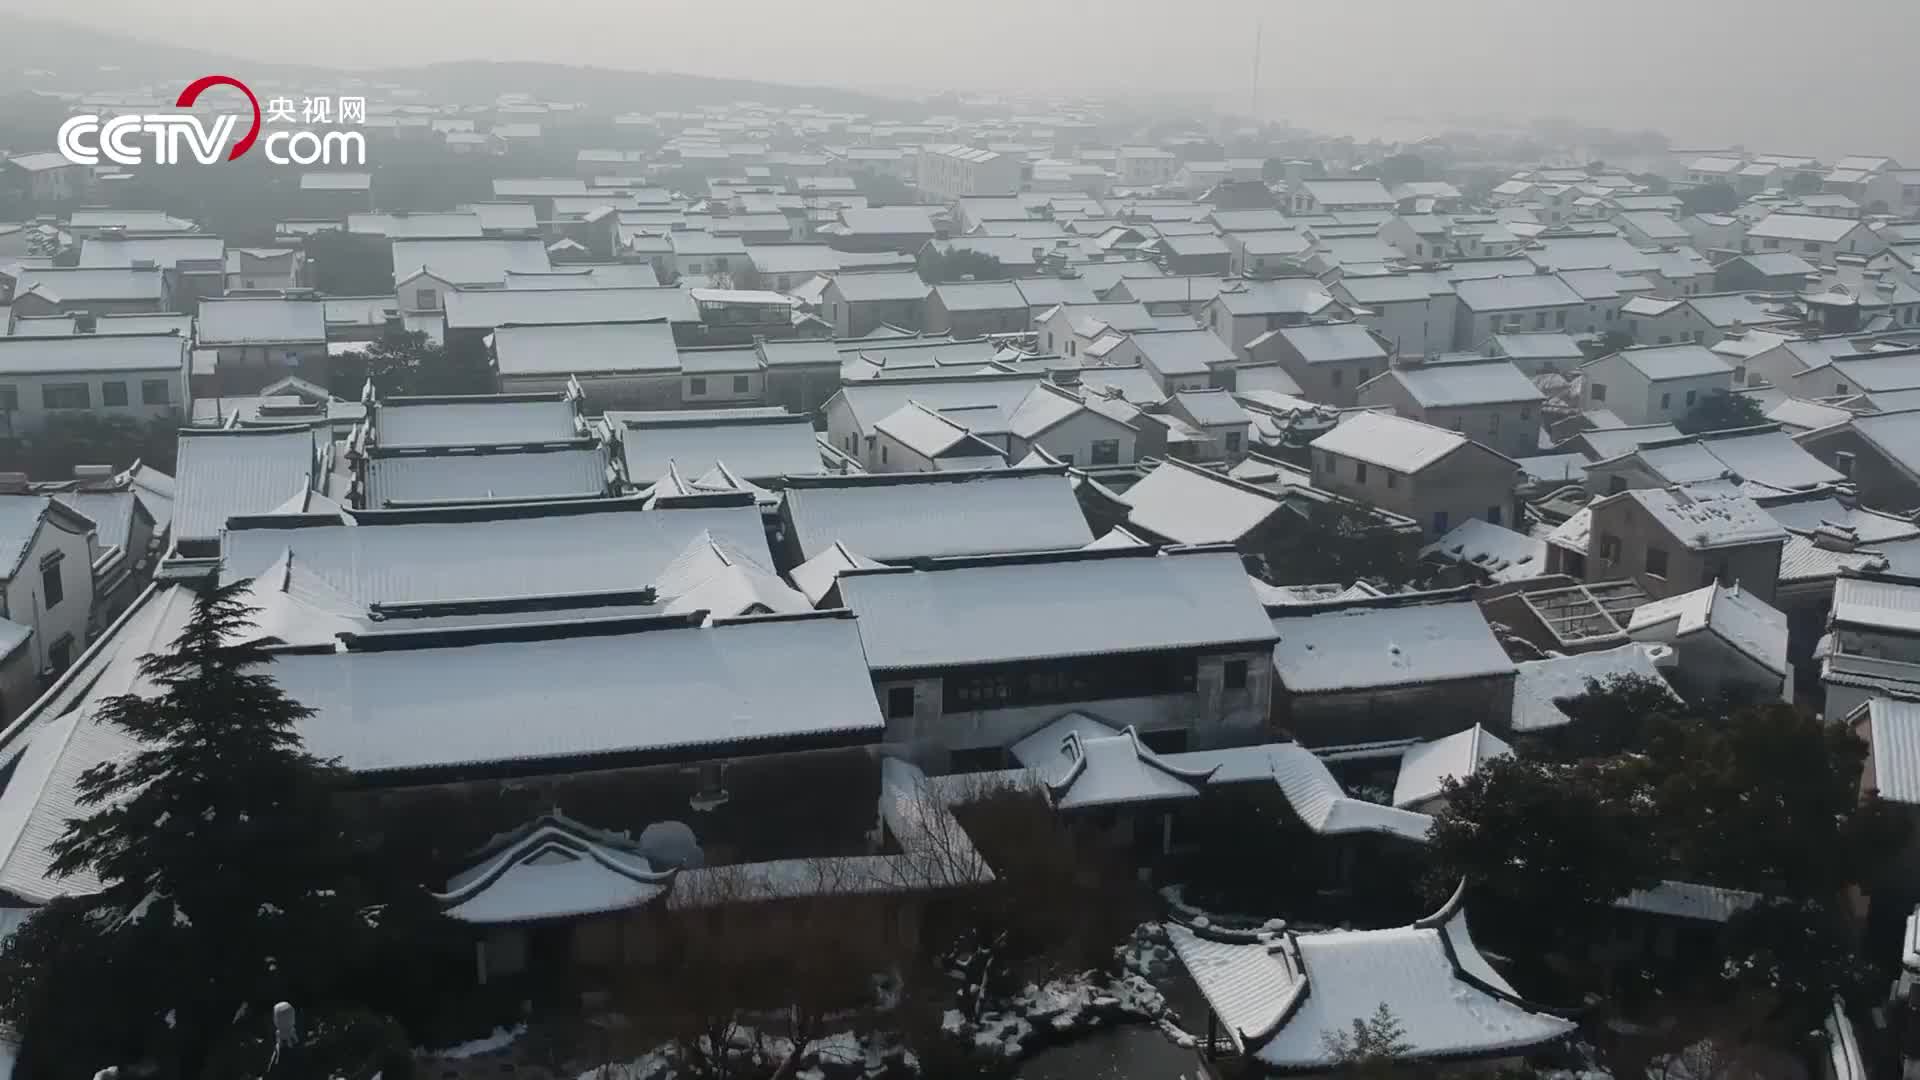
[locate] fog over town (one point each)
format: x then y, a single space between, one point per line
909 541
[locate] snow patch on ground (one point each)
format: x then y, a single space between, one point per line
499 1040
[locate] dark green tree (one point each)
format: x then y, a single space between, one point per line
1372 1049
884 189
1709 199
1719 411
1401 169
1612 717
1334 541
1653 182
937 267
1548 844
1606 344
407 363
1767 798
226 874
69 439
342 265
1789 958
1806 183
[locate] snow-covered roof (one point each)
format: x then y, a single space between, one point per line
1612 442
1385 642
1658 363
965 612
1389 441
486 309
1326 343
1190 505
1515 293
1707 516
556 471
1426 767
553 868
1086 763
1280 296
555 701
1182 352
726 580
467 260
818 575
1447 386
1540 685
228 472
489 420
557 550
1689 900
1743 620
880 286
1806 227
556 349
894 517
92 355
758 447
1889 606
1498 552
1771 458
1279 993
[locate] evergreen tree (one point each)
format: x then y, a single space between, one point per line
224 868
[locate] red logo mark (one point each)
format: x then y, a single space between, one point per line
192 93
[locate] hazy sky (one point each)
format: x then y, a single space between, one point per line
1788 75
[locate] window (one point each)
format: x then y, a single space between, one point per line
1235 675
1526 413
1740 377
155 392
1839 388
1598 391
1609 548
65 396
1338 377
427 299
1105 452
1439 522
883 453
1616 484
9 399
1773 245
696 268
1666 401
697 386
740 384
1810 247
1058 681
60 656
1493 423
1493 515
1539 320
1657 562
1393 478
52 590
1560 319
1843 462
899 702
1691 394
1233 442
113 393
1359 472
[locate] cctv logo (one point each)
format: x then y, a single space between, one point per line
173 138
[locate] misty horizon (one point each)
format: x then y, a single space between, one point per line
1706 73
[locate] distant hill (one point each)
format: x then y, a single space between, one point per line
82 58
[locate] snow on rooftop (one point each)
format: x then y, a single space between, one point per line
1278 994
1088 763
1707 516
1880 605
1498 552
477 421
1014 510
238 471
1735 615
1366 645
568 698
1689 900
1389 441
1425 768
1539 685
1007 609
1188 505
414 479
1444 386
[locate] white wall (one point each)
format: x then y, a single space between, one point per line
1074 438
26 594
30 391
